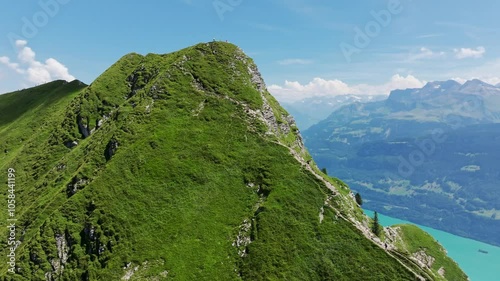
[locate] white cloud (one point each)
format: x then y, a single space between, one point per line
464 53
12 65
426 53
294 61
293 90
33 71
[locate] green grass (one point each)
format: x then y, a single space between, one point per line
416 240
191 166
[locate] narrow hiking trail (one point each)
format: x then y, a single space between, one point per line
366 232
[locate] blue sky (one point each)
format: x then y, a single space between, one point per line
301 47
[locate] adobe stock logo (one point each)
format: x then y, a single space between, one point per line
31 25
417 157
223 6
372 29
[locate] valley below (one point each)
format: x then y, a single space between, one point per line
426 155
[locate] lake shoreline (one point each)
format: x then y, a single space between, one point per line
478 265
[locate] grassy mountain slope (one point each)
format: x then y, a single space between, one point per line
183 167
21 112
409 241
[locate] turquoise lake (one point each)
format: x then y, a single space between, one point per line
478 266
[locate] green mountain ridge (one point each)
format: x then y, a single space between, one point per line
183 167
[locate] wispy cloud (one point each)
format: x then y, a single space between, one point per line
432 35
426 53
464 26
33 71
470 30
268 27
464 53
294 61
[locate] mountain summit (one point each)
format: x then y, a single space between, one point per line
182 166
479 87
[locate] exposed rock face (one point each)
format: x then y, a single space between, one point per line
62 255
132 269
441 271
423 259
269 118
391 237
277 127
100 122
71 144
139 79
257 78
133 79
62 248
92 241
89 232
130 272
243 239
111 149
75 185
83 127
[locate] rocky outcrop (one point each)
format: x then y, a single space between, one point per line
132 269
441 271
423 259
111 149
133 80
278 123
75 185
256 78
83 127
63 246
100 122
59 263
71 144
392 237
243 239
139 79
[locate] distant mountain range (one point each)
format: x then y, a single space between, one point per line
310 111
430 155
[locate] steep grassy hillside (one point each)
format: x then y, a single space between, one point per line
180 167
423 250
